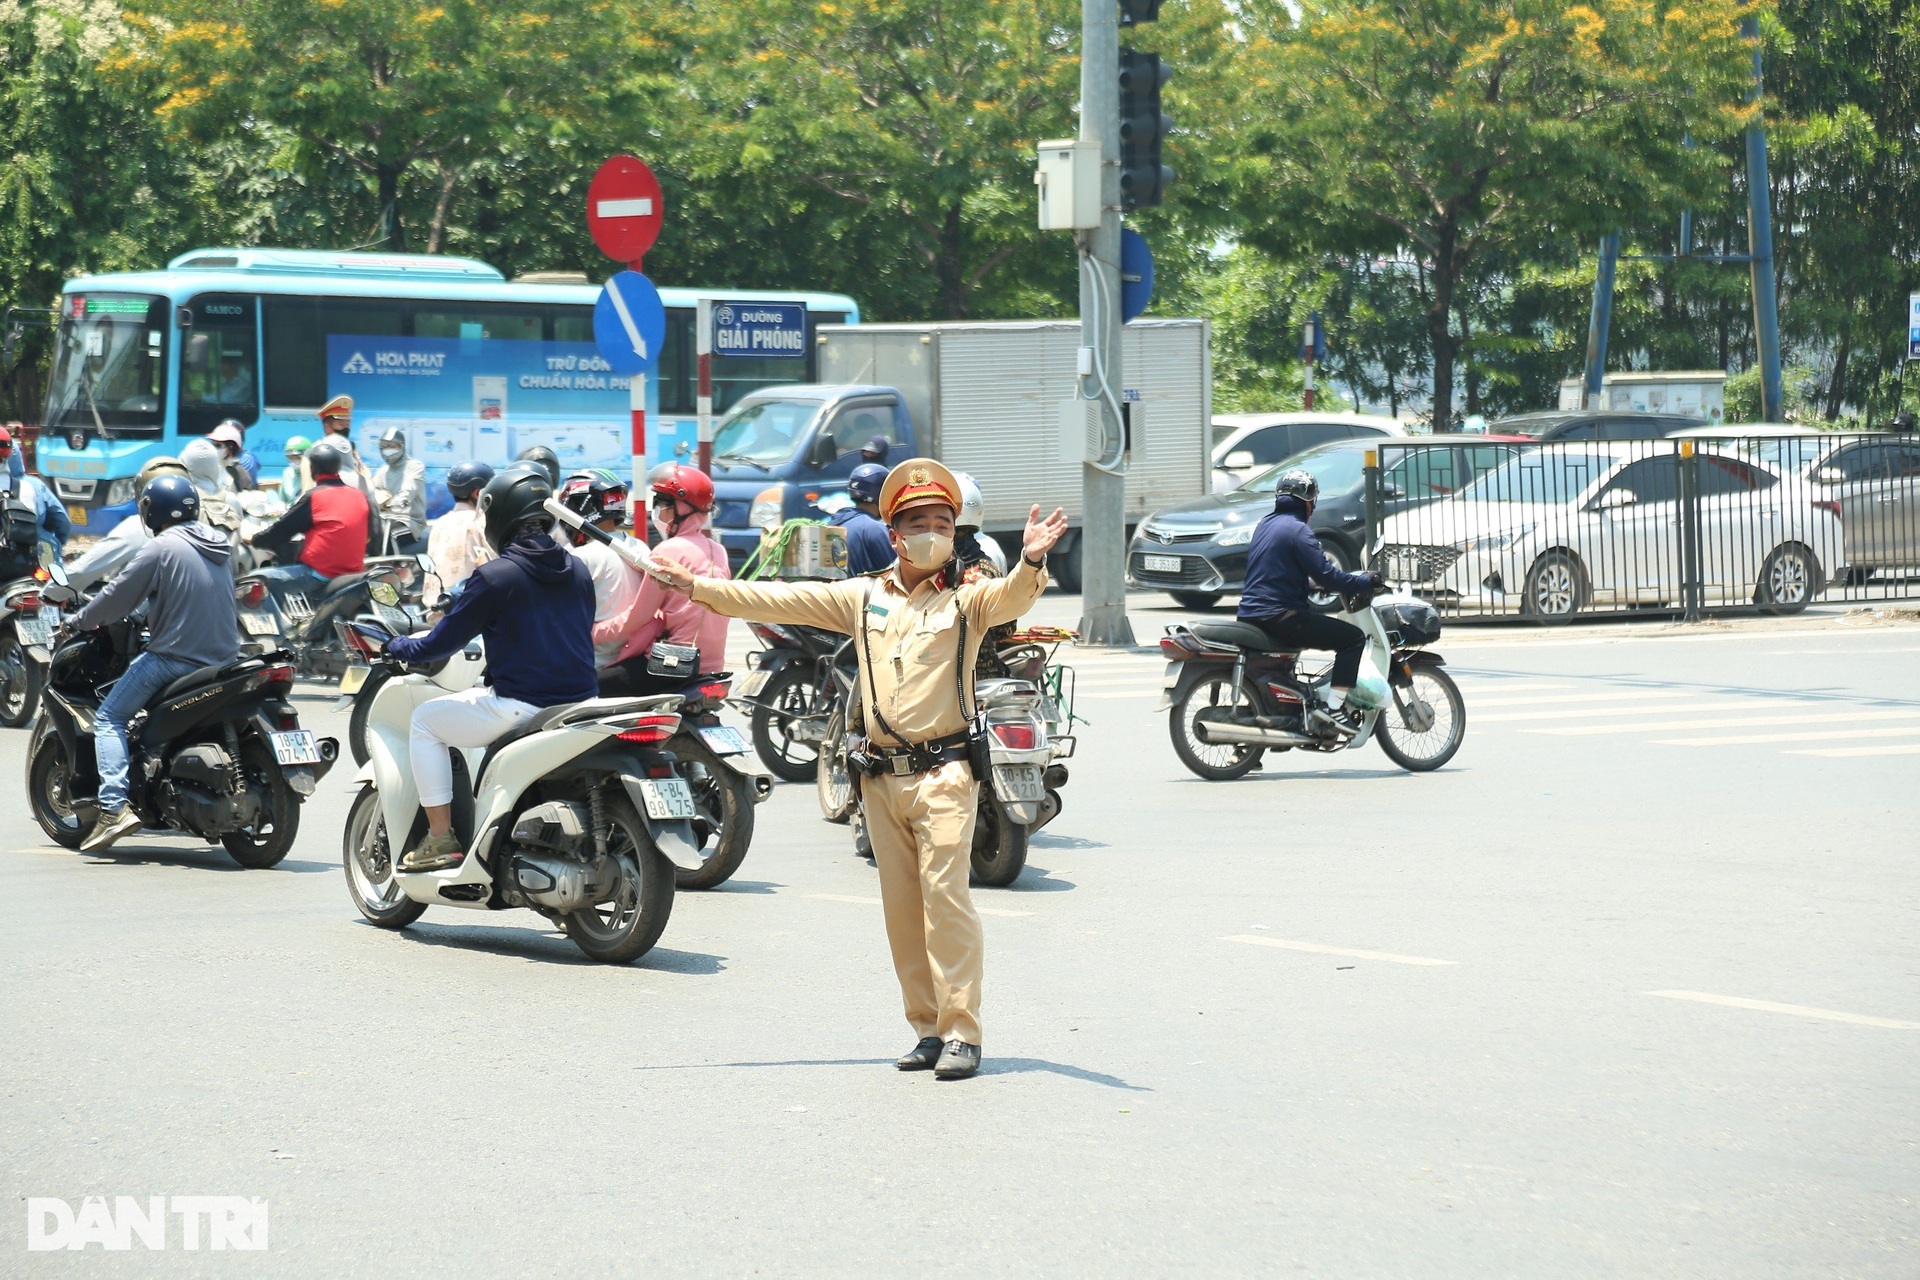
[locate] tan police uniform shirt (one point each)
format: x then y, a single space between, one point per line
912 637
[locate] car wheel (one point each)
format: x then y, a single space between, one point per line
1787 580
1343 559
1556 588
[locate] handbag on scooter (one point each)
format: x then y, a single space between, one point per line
673 660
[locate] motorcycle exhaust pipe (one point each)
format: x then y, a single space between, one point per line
1251 735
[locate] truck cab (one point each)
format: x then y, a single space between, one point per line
784 448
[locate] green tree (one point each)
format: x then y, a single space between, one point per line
1457 129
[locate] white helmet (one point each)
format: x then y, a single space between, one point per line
973 503
204 466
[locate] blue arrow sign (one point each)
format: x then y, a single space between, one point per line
1136 274
630 323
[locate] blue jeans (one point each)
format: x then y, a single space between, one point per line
284 578
146 676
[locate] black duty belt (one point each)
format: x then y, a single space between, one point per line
875 760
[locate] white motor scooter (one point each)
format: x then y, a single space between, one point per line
579 814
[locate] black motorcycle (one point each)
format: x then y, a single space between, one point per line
304 624
724 795
791 691
219 754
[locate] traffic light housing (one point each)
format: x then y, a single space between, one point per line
1143 178
1133 11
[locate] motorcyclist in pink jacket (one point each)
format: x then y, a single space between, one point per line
682 507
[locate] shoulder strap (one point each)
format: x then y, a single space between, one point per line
960 662
866 664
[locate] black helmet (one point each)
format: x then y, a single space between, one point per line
466 479
167 501
541 456
1298 484
515 497
864 484
325 459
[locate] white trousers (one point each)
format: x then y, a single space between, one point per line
471 718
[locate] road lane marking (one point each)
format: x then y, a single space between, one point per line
1728 703
1639 695
1847 753
1816 735
1797 1010
874 902
1668 726
1317 949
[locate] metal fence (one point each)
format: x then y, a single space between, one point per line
1563 530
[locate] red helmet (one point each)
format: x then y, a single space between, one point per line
686 484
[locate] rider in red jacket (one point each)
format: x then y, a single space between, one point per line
339 524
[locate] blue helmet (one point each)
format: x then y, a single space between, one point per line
864 484
167 501
467 479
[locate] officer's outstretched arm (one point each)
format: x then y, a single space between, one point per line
992 601
834 606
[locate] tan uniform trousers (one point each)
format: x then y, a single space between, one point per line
921 829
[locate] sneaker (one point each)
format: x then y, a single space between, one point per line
958 1060
921 1057
110 826
435 853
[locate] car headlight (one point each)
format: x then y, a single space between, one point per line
1239 536
1495 541
120 492
768 507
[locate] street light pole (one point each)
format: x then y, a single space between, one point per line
1103 528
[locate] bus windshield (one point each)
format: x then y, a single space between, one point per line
109 365
763 431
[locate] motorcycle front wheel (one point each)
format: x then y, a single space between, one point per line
838 798
999 846
724 799
20 694
1214 761
49 792
629 919
1425 723
368 855
789 694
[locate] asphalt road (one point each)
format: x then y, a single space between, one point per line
1630 989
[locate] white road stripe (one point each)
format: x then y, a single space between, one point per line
1640 695
1797 1010
1848 753
1348 952
1648 709
874 902
1816 735
1861 714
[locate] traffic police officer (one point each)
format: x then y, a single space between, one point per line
921 799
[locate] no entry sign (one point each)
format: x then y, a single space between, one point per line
624 208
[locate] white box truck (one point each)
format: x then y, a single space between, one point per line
998 400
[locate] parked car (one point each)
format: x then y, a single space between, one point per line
1244 444
1874 484
1597 424
1198 550
1563 527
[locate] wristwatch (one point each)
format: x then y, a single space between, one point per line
1041 563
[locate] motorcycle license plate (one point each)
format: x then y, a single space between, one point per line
396 619
667 798
296 747
751 686
1160 564
1018 782
34 630
724 740
1405 568
352 679
257 623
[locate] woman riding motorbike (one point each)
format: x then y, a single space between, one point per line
682 507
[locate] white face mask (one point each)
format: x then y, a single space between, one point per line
926 550
663 521
393 455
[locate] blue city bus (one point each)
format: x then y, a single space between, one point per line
468 363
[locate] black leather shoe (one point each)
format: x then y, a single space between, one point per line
958 1060
921 1057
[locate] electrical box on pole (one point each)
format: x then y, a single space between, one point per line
1068 176
1143 129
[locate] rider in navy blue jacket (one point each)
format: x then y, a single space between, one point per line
1282 562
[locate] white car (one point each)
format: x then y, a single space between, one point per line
1564 527
1247 443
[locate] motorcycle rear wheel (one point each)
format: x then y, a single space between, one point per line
1214 761
999 846
272 836
1435 745
725 802
368 855
792 690
838 796
630 921
20 695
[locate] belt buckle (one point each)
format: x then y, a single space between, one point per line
900 766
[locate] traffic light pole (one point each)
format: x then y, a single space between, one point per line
1103 530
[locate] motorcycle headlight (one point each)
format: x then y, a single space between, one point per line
1238 536
121 492
768 507
1495 541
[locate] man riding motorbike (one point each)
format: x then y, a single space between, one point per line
183 578
601 497
458 544
208 471
970 546
340 526
868 548
242 467
533 608
682 507
1282 561
290 486
50 514
400 488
